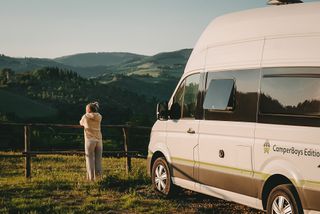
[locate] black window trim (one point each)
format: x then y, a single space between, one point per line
289 115
302 75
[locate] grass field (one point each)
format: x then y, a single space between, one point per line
58 185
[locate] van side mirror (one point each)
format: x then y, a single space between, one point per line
162 111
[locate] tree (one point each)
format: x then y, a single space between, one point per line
6 75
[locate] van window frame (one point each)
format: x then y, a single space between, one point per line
243 111
197 113
287 119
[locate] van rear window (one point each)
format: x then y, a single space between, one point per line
297 95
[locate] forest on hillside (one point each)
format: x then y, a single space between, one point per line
53 95
127 86
66 93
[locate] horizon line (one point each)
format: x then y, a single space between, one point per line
91 52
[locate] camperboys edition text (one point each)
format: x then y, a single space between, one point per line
294 151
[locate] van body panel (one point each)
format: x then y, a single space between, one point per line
265 131
281 51
158 143
258 24
199 61
291 151
233 170
216 55
181 146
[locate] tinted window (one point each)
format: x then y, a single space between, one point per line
232 95
178 97
190 96
220 95
185 99
291 95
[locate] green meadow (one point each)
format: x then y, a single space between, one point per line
58 185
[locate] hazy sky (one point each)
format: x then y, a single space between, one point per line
43 28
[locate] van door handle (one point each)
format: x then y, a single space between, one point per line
191 131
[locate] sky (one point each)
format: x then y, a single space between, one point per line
48 29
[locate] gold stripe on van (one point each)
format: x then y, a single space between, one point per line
256 174
213 166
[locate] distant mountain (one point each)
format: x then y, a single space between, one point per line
172 63
27 64
98 59
171 58
105 65
154 77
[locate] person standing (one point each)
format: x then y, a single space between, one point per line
91 121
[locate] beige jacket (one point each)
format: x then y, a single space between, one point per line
91 123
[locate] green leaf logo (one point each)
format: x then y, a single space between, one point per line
266 147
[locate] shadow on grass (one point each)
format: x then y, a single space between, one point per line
122 184
182 199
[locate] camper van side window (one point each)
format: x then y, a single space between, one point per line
190 96
290 95
185 99
220 95
176 107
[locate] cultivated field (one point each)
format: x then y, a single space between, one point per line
58 186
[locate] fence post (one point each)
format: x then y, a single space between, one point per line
27 150
125 141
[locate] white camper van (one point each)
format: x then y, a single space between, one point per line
243 123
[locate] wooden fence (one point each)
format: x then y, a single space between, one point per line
28 154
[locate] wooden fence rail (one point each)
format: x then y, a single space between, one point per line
28 154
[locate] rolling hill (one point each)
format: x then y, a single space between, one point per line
173 62
24 107
97 59
91 65
128 85
154 77
20 65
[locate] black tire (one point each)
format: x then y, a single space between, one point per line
284 197
162 184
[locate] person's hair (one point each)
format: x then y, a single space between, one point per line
94 106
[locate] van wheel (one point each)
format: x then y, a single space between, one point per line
284 199
161 177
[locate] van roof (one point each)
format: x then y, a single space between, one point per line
293 19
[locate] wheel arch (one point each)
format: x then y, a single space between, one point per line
154 157
274 181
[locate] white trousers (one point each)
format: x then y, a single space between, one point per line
93 151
